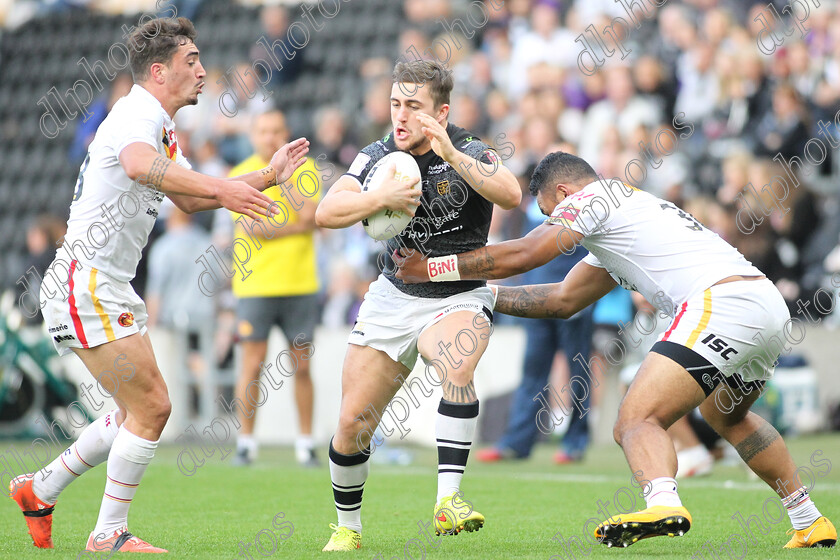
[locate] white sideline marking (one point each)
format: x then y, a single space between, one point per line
600 479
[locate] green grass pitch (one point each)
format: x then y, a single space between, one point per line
527 504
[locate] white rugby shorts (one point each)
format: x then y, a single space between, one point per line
97 309
739 327
392 322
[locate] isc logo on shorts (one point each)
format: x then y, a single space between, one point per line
62 337
719 346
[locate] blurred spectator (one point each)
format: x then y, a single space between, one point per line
735 176
545 338
375 122
650 81
622 108
42 234
231 124
281 288
426 11
99 109
466 111
412 42
345 291
180 312
172 298
274 19
783 131
545 41
699 85
331 136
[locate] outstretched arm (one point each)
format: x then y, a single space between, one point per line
500 260
192 191
585 284
283 164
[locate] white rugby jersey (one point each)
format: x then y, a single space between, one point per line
111 215
648 244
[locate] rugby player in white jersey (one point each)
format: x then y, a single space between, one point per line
729 325
128 170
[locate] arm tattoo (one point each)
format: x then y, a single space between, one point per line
460 395
527 301
157 172
269 176
478 264
757 442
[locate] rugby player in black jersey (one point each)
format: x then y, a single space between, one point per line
448 323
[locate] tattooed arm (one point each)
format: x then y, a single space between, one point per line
501 260
193 192
189 190
585 284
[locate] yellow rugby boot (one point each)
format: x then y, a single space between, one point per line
656 521
343 539
453 514
819 534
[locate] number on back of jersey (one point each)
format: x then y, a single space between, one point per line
80 181
695 225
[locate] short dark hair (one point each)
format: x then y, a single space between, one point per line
431 72
157 40
560 167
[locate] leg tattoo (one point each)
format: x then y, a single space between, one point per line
460 395
757 442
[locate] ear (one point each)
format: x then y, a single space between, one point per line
443 113
157 71
563 191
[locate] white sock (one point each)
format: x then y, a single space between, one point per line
454 430
303 448
247 443
348 474
801 510
129 457
662 491
89 450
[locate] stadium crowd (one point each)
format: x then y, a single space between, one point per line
695 113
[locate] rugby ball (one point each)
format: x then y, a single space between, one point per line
389 223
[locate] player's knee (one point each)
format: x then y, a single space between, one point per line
156 409
351 426
160 411
617 431
623 425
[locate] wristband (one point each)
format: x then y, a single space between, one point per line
443 269
494 290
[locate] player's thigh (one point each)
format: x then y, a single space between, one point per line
369 380
662 391
136 384
456 342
